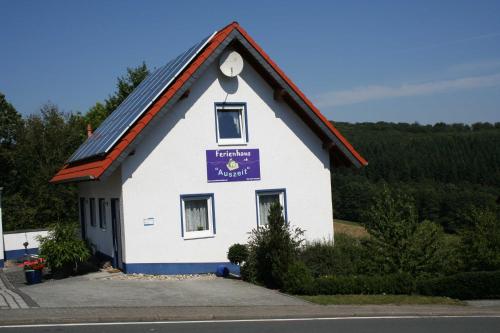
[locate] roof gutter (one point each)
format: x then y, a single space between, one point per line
74 180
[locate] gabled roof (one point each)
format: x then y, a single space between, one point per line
100 163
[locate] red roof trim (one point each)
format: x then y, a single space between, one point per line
361 160
95 169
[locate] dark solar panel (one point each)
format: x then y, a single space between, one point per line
114 126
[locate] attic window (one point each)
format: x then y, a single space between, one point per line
231 123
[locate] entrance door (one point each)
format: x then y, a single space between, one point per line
117 233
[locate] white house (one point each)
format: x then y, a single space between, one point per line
190 162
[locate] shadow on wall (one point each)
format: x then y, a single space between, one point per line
286 114
228 84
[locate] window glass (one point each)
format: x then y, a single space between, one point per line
196 213
265 203
102 213
92 211
229 123
197 216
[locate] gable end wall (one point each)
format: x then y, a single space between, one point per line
170 162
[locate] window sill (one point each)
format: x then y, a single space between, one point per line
228 143
188 237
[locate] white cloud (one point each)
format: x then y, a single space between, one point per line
378 92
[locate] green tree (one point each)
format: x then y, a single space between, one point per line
391 222
96 115
10 127
46 141
10 122
431 252
125 85
399 243
272 250
481 242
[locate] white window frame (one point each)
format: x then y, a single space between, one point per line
211 217
241 107
282 198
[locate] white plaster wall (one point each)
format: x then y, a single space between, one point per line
108 189
170 161
14 241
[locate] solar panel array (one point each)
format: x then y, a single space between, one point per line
127 113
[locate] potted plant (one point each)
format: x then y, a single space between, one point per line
33 269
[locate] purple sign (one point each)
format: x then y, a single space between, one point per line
233 165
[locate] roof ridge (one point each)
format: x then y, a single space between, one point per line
81 170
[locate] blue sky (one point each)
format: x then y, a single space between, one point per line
401 61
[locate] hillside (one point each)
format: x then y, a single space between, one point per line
446 168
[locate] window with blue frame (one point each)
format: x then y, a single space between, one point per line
197 215
265 199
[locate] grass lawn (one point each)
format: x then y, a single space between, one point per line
350 228
380 299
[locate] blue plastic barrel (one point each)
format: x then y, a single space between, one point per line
222 271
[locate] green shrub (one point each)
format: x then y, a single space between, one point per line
467 285
347 256
63 249
247 270
393 284
272 249
481 241
237 254
400 243
298 279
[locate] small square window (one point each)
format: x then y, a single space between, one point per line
231 124
265 199
92 211
102 213
197 216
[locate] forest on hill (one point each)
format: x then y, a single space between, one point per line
446 168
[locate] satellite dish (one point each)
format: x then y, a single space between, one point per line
231 63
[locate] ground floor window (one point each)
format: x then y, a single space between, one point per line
102 213
197 215
82 211
92 211
265 199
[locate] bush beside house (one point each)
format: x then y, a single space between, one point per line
63 249
272 250
465 285
400 256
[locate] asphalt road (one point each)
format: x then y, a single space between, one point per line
344 325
